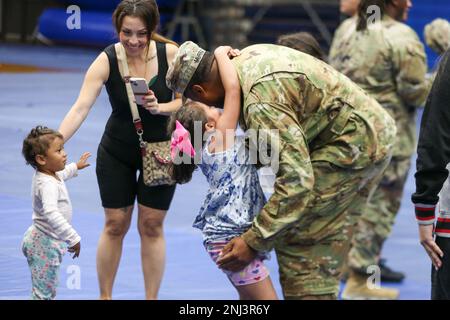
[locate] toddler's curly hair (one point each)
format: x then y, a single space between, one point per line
37 143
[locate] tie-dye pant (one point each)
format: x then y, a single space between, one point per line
44 255
256 271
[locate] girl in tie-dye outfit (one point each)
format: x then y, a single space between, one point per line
235 196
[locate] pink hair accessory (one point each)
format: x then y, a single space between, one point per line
181 142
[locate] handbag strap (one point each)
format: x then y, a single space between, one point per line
125 74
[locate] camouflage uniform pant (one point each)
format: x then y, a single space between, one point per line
311 254
378 217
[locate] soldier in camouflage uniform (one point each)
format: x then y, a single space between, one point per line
387 60
334 143
437 35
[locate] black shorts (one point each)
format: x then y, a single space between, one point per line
117 168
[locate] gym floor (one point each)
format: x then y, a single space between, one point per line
38 86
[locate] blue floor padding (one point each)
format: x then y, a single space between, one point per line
44 98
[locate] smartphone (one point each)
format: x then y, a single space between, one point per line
140 89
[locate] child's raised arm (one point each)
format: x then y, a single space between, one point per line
230 81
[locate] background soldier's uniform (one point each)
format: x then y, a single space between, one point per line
388 61
335 141
437 35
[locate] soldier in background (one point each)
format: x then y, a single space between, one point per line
333 142
437 35
386 58
349 8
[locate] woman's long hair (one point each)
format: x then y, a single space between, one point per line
147 11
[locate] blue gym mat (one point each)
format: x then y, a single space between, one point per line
29 99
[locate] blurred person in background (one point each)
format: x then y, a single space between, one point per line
433 157
386 58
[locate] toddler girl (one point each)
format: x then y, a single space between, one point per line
46 240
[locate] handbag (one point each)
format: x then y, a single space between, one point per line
156 159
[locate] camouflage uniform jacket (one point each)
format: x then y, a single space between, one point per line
309 103
388 61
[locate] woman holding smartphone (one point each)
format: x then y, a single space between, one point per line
118 155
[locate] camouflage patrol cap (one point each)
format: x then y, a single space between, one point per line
183 66
437 35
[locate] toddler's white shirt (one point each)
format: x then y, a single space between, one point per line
52 209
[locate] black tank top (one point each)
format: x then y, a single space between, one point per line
120 126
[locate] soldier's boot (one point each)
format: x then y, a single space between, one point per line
389 275
356 288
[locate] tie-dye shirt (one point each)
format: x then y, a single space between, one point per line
234 197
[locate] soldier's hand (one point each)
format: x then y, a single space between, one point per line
430 246
236 255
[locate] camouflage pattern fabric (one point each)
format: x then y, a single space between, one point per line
389 62
437 35
334 142
183 66
376 223
312 253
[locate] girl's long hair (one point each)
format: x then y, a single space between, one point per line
304 42
187 115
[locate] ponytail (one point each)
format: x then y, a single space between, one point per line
187 115
159 38
182 173
363 11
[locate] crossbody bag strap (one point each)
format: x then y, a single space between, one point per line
125 74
